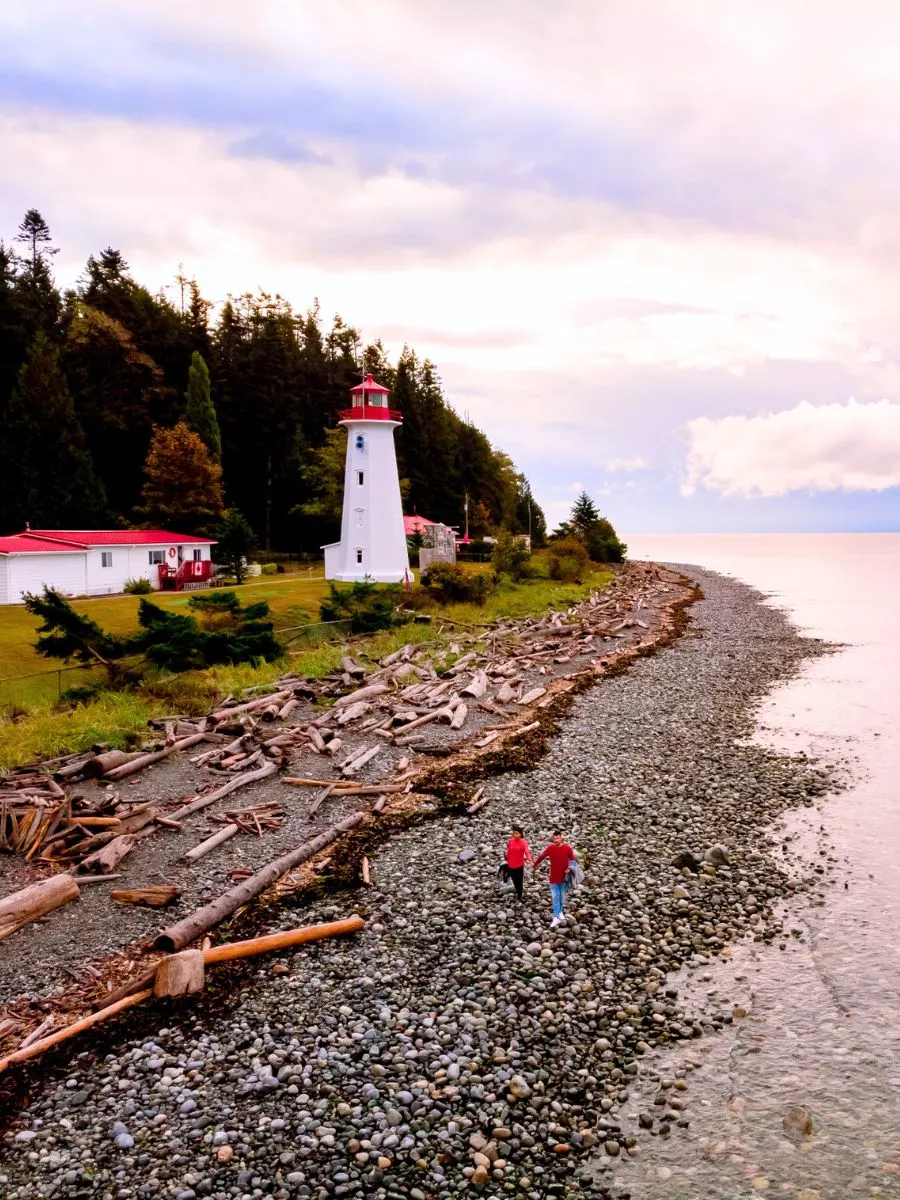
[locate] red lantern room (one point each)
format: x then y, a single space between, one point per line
370 403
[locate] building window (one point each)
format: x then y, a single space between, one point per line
359 518
358 554
360 475
198 555
106 558
360 442
156 557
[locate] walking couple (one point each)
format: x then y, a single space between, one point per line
564 868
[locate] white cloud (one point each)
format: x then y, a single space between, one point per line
636 463
849 447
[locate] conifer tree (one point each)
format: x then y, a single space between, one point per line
236 539
47 477
183 486
34 232
199 413
584 514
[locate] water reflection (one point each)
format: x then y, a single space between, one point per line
820 1040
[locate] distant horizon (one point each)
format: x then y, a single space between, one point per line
748 533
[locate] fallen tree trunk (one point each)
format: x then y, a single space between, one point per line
25 906
268 768
97 766
177 936
70 1031
154 897
147 760
366 693
109 857
266 944
216 839
225 714
281 941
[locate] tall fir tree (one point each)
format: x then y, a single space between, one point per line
47 478
34 233
584 514
183 486
199 412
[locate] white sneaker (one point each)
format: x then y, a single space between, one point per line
554 922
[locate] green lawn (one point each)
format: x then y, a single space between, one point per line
35 727
293 599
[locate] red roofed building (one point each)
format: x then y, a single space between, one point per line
98 562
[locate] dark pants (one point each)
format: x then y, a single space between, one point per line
517 874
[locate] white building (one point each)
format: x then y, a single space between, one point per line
373 540
97 562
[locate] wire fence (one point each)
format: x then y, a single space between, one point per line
52 684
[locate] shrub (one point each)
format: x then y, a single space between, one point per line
449 583
269 568
218 631
138 587
79 695
602 542
367 607
511 557
417 598
568 560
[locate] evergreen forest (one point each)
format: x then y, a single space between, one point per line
120 406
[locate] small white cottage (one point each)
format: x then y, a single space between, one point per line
97 562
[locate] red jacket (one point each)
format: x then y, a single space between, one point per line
559 857
517 852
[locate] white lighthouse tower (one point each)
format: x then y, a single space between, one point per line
373 540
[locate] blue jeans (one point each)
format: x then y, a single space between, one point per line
558 892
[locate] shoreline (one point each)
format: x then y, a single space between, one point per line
107 945
597 986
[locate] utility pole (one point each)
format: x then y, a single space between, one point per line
467 515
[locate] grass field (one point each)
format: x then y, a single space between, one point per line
294 600
35 726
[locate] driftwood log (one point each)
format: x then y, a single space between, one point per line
147 760
108 858
70 1031
180 974
177 936
25 906
96 767
216 839
154 897
266 944
268 768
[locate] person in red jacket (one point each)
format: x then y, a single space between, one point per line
559 854
517 855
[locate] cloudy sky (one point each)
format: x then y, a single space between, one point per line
654 248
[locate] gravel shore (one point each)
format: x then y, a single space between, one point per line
459 1045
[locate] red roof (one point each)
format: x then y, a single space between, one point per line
66 541
413 525
25 543
369 385
120 537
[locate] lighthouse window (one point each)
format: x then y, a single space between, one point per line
360 475
359 518
358 554
360 442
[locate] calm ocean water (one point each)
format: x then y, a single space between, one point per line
823 1025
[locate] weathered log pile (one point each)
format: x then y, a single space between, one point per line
398 702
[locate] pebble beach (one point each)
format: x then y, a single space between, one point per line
459 1045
